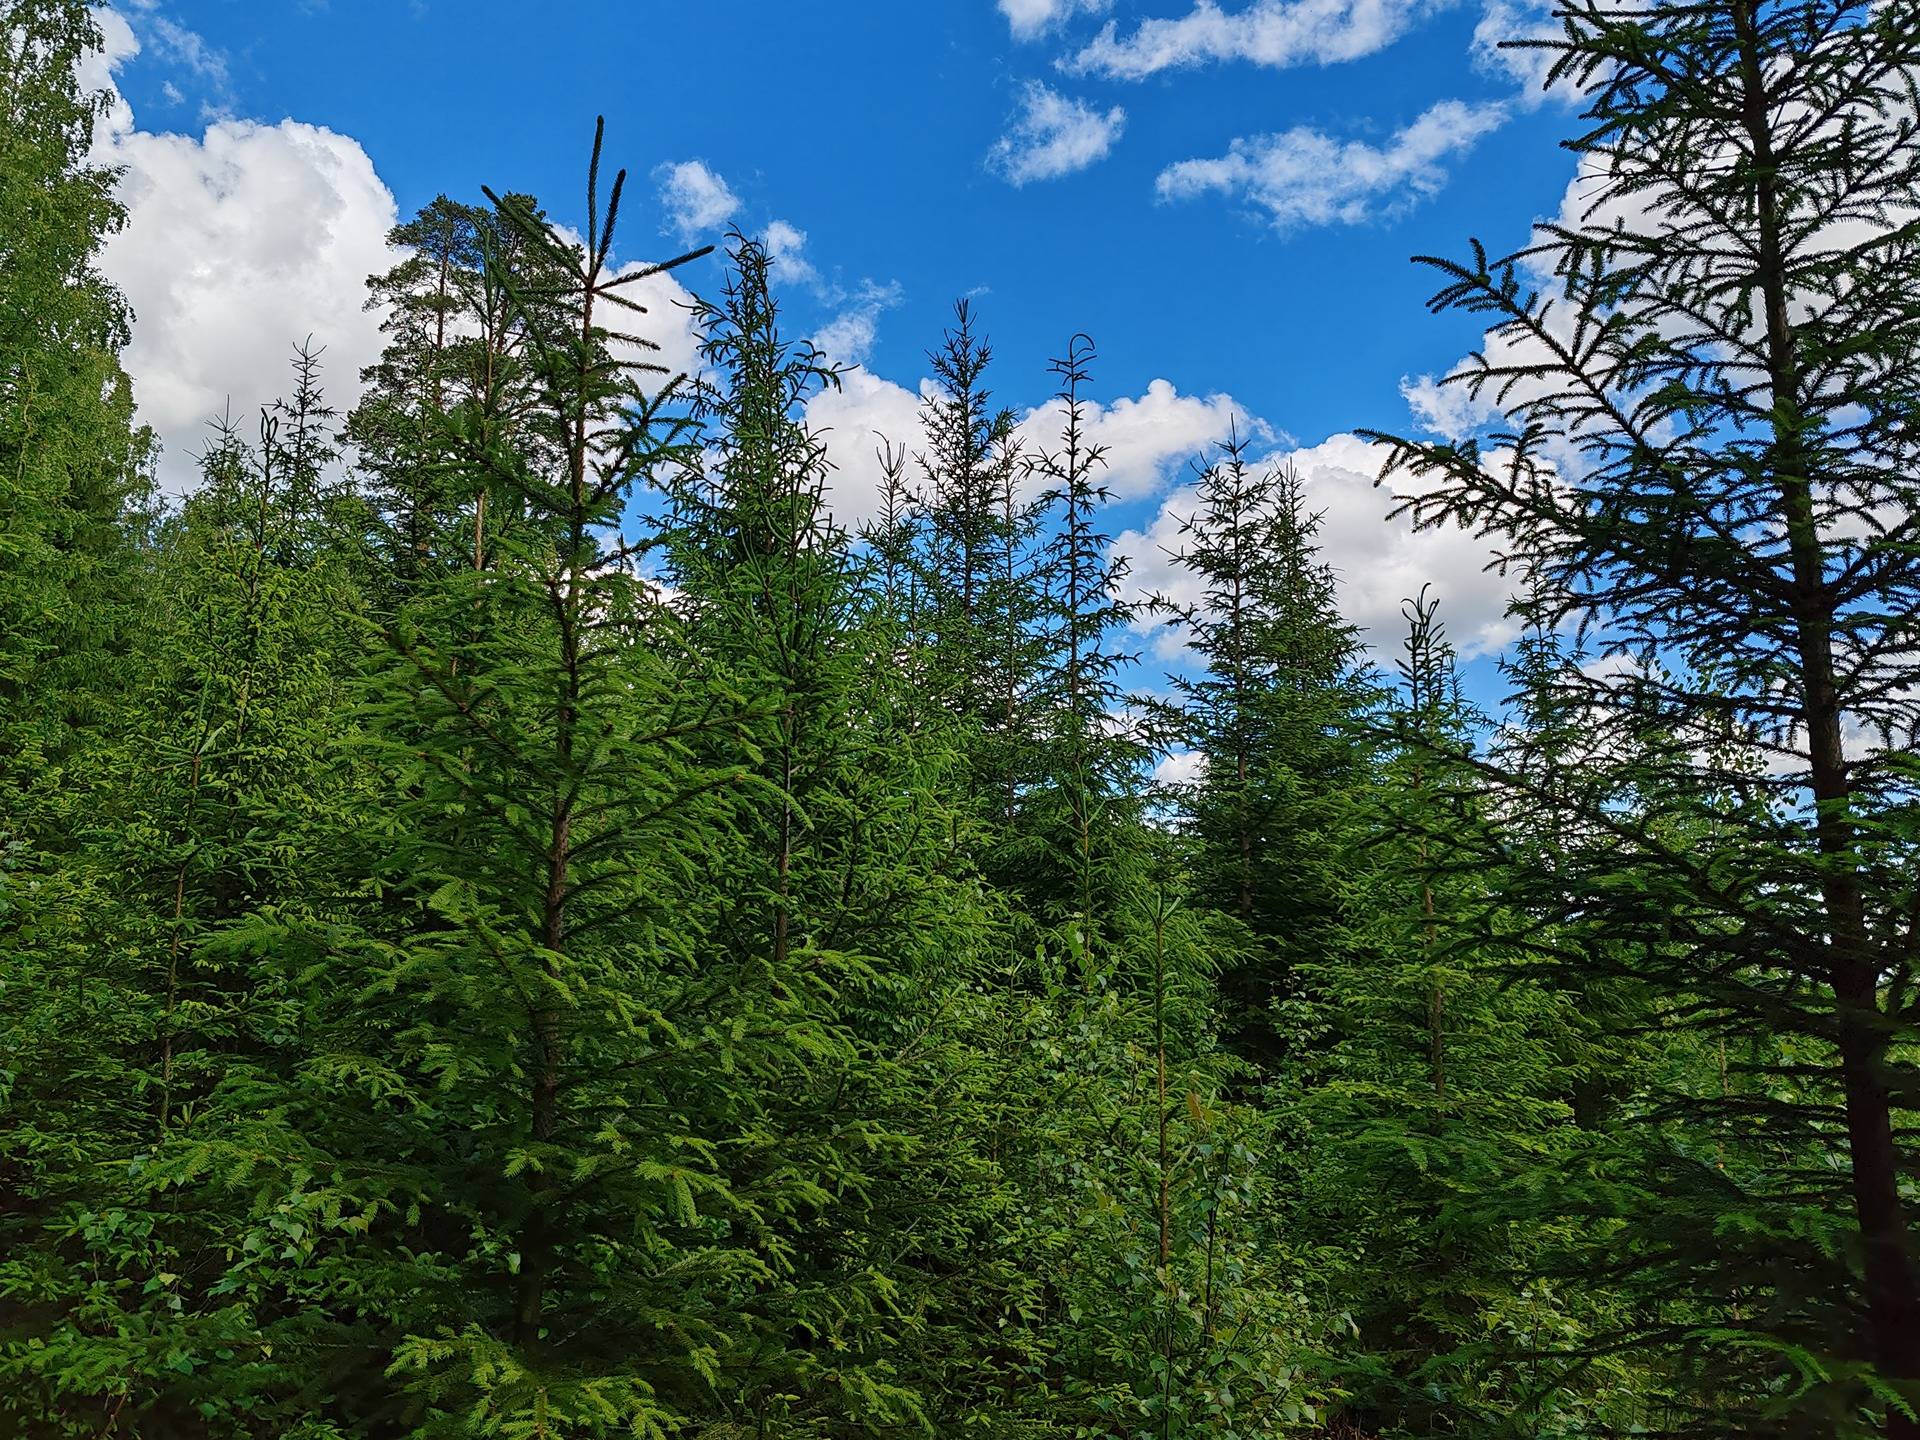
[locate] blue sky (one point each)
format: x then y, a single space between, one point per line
1225 196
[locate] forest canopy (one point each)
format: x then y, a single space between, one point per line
517 922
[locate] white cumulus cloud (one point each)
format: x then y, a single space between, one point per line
1305 177
238 244
1272 33
244 241
855 419
694 200
1053 135
668 323
1030 19
1504 20
1147 438
847 339
1377 561
786 246
1181 767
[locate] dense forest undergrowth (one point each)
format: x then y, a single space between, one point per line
513 923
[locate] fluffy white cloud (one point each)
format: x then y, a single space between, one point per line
1146 438
847 336
238 244
786 246
1030 19
1053 135
118 44
1503 20
847 339
694 200
1304 177
1273 33
1446 408
248 239
1149 437
1378 562
856 419
1182 767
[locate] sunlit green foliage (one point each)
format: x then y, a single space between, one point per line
517 925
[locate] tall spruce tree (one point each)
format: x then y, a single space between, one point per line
217 775
1429 1081
504 1143
72 589
1710 373
1272 709
70 457
836 887
969 540
1081 823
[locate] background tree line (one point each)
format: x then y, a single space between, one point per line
515 923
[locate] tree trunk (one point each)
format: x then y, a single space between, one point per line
1893 1297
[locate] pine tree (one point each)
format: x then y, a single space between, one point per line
463 313
397 428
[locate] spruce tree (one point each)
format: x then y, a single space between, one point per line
1709 376
830 896
216 776
1272 709
71 459
1434 1089
1080 818
968 543
502 1142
